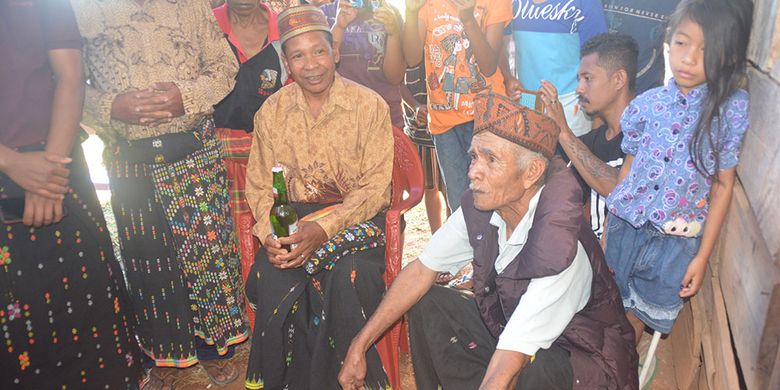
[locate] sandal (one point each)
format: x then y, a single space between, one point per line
160 378
221 371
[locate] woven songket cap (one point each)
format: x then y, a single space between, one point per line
297 20
503 117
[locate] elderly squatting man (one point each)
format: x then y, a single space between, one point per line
546 312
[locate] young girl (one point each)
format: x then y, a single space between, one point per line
682 144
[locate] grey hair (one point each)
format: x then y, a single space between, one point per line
524 157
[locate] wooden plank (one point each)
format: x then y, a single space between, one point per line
769 348
760 50
749 279
759 166
686 348
724 365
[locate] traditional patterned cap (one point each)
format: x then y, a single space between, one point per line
503 117
299 19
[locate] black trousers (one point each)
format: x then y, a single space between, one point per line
451 347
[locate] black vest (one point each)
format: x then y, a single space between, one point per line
599 338
257 79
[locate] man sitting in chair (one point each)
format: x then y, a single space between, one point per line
546 313
334 140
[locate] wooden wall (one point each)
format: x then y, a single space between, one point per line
728 336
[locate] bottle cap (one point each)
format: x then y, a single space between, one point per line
277 168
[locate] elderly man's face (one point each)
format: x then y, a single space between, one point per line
597 88
311 61
496 179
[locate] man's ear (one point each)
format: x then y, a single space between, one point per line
534 172
620 79
336 54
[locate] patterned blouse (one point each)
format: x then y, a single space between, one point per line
663 187
128 46
345 155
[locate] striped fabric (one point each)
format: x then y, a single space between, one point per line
235 153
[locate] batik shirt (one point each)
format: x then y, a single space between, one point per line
453 76
663 186
344 155
128 46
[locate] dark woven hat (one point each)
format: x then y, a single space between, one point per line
503 117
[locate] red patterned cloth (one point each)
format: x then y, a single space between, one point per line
235 152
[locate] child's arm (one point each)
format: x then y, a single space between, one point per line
720 198
414 32
487 46
627 161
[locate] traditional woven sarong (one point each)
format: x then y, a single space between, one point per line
63 308
170 199
305 323
235 153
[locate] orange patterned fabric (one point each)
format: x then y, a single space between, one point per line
503 117
300 19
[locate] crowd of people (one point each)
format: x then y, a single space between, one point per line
579 194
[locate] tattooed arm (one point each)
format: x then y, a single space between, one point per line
599 176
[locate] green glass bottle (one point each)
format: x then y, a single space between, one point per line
284 219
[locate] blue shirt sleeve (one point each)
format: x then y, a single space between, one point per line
736 122
632 128
594 22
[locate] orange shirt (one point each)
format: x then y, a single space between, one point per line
453 76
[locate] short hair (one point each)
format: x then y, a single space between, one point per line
616 51
524 157
328 37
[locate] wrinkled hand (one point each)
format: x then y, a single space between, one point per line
274 250
691 282
40 211
171 99
308 238
41 173
345 14
386 16
353 371
513 87
465 9
554 106
142 107
414 5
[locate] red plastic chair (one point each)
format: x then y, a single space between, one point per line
407 179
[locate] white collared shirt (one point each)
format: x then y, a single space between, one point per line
550 302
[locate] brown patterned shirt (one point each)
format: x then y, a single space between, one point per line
346 154
130 46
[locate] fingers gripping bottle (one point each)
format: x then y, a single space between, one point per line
284 219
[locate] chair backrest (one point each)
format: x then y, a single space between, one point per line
407 173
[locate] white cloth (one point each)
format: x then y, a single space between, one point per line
547 306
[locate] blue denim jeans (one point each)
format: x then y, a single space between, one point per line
452 151
648 266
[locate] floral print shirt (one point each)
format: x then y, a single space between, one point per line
663 186
344 155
